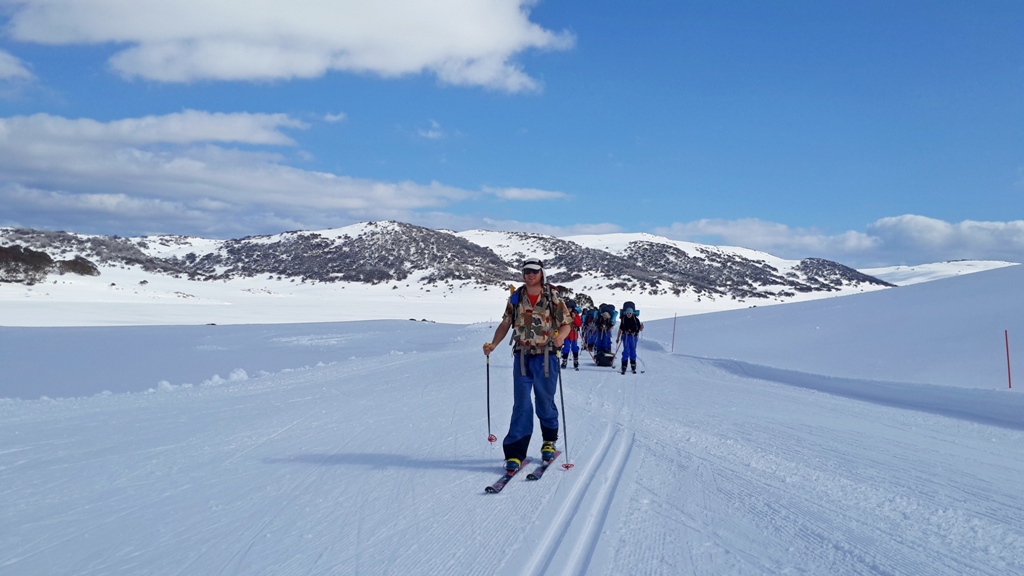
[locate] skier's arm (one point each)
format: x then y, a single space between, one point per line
563 331
499 335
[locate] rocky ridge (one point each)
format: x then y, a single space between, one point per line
385 252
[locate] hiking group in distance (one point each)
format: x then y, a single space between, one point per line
544 327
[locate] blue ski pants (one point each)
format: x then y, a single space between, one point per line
543 388
570 346
629 348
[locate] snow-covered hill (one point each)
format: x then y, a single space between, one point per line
869 434
394 270
906 275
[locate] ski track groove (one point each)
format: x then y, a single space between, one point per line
576 525
582 552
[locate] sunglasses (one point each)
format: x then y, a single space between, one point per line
529 272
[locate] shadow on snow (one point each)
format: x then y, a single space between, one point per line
982 406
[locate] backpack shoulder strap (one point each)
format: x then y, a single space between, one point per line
514 300
549 295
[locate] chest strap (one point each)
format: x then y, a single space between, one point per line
525 350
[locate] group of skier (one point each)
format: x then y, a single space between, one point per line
545 326
596 334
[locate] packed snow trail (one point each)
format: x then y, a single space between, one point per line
374 461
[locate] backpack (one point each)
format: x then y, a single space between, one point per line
612 315
629 304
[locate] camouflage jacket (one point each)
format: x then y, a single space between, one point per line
535 325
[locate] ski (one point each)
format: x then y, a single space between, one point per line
542 467
500 484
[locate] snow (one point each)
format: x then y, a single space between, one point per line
871 433
906 275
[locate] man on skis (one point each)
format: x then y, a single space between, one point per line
540 323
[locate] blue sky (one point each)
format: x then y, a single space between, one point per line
868 132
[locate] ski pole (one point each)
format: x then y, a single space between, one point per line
565 428
490 437
636 350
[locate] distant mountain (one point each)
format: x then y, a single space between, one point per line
655 265
391 252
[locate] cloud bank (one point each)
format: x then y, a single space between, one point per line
907 239
193 172
461 42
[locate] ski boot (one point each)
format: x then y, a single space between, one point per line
565 361
512 465
547 450
633 366
623 367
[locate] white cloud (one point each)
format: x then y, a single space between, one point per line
334 118
434 133
770 237
179 173
550 230
907 239
525 194
11 68
172 173
186 127
462 42
941 240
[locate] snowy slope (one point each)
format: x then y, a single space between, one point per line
905 275
949 332
360 448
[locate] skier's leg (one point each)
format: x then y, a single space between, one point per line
544 389
520 428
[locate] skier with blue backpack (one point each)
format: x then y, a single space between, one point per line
629 333
605 322
540 322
